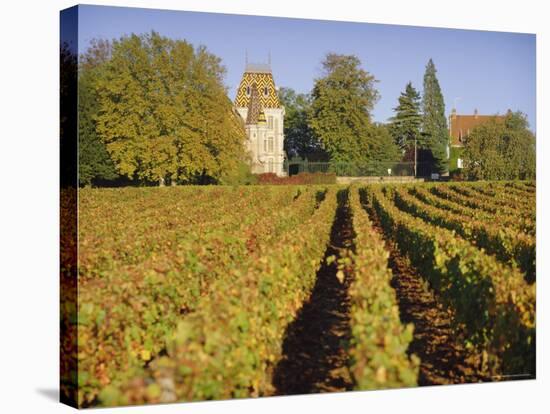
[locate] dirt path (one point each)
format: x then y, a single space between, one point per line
443 358
315 347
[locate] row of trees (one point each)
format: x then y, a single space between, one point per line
152 109
419 126
335 121
155 110
336 118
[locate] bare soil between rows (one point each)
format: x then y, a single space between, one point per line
444 359
315 347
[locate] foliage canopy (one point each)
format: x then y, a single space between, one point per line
340 112
164 113
94 162
501 150
300 140
434 124
406 123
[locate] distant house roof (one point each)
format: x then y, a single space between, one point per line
460 126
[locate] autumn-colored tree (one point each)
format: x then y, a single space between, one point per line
500 150
94 162
340 112
164 113
68 83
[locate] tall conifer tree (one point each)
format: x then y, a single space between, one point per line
405 125
434 124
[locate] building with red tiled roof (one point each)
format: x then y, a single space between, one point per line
460 126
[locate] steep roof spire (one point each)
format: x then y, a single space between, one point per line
254 106
260 74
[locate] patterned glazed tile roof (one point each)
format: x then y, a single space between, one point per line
261 118
263 78
254 107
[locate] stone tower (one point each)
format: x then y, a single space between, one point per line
258 104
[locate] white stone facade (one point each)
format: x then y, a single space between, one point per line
265 141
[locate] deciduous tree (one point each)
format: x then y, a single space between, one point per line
68 86
342 100
164 112
94 162
300 140
383 152
501 150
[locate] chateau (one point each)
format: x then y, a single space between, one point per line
258 104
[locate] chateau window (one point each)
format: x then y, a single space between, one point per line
460 135
265 91
276 126
270 144
270 122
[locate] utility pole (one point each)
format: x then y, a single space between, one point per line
415 157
